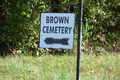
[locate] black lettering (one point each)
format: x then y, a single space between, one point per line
51 19
61 19
51 29
47 30
62 30
55 29
55 19
47 19
44 29
66 19
59 29
66 30
70 30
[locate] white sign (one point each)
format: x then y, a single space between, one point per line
57 30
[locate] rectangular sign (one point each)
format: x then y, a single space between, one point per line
57 30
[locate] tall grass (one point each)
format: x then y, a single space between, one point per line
49 67
105 67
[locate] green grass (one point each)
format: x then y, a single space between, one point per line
49 67
105 67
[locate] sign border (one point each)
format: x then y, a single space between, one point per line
73 30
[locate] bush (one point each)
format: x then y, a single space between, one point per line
20 24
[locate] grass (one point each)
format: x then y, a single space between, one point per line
105 67
49 67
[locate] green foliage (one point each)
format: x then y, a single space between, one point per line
20 30
100 24
20 24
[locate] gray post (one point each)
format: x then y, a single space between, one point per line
79 39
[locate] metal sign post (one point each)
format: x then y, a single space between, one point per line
79 39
